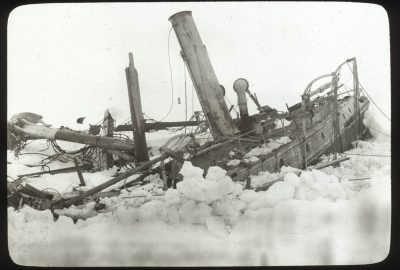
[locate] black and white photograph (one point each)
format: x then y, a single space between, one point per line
198 134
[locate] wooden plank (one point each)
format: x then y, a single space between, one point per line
142 177
160 125
30 190
327 164
358 179
57 171
112 181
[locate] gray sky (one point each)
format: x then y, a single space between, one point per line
68 60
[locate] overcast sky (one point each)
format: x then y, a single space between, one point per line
68 60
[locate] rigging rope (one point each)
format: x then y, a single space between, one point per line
172 84
231 104
171 81
380 132
363 89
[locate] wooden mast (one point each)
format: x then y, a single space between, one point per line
303 127
108 126
335 122
135 105
356 95
205 81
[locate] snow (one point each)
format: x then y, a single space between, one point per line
317 225
309 218
251 159
265 176
216 226
215 186
233 162
278 123
265 149
80 211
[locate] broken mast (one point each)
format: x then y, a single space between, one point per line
205 81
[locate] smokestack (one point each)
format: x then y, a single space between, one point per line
201 72
241 86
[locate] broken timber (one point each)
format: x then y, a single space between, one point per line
108 126
204 79
120 154
114 180
325 124
135 106
25 128
160 125
57 171
81 180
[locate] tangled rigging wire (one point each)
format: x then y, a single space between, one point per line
172 85
87 154
363 89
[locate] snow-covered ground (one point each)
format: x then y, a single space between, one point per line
320 217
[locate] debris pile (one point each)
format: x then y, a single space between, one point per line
327 120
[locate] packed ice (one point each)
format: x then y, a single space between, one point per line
326 216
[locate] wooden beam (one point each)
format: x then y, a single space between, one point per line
120 154
81 180
335 120
135 106
63 170
356 96
113 181
254 98
329 163
32 191
69 135
108 126
357 179
142 177
207 149
160 125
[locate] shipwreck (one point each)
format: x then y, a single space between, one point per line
327 119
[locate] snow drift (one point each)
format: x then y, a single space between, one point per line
319 217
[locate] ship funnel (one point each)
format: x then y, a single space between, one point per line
201 72
241 86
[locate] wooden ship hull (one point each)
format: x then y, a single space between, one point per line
300 152
322 125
